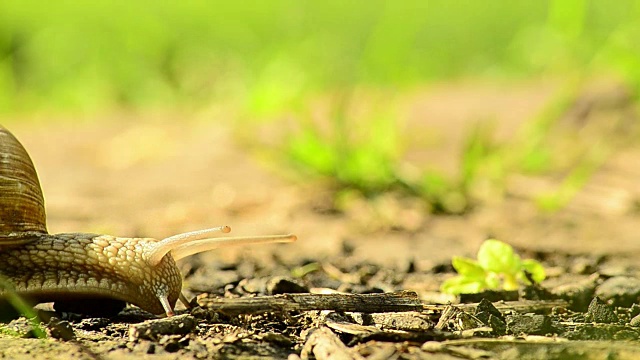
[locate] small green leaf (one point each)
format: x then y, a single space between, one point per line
468 268
498 267
535 269
461 285
493 281
498 257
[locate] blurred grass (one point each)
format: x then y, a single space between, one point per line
267 56
23 308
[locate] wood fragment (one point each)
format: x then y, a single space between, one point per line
324 344
523 306
351 328
366 303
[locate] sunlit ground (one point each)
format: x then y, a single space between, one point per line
390 115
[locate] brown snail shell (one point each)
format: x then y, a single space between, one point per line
22 214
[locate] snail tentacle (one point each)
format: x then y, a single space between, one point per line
162 247
183 299
166 305
199 246
186 244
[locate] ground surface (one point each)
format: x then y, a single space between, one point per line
157 175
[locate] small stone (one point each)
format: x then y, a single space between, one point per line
60 330
171 344
583 266
490 316
614 270
601 312
620 291
432 346
635 322
153 329
485 307
529 324
253 285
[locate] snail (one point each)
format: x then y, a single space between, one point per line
73 268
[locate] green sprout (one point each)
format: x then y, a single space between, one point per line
23 307
498 267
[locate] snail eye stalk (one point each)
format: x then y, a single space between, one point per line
183 245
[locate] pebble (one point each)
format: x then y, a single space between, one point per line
601 312
620 291
152 329
635 322
531 324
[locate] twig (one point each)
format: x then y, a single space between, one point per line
367 303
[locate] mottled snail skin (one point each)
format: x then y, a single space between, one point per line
77 266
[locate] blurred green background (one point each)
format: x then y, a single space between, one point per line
261 59
269 55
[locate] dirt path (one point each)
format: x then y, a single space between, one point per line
144 175
129 175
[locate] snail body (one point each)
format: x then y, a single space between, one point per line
76 266
83 266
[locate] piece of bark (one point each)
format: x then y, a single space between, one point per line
365 303
324 344
351 328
